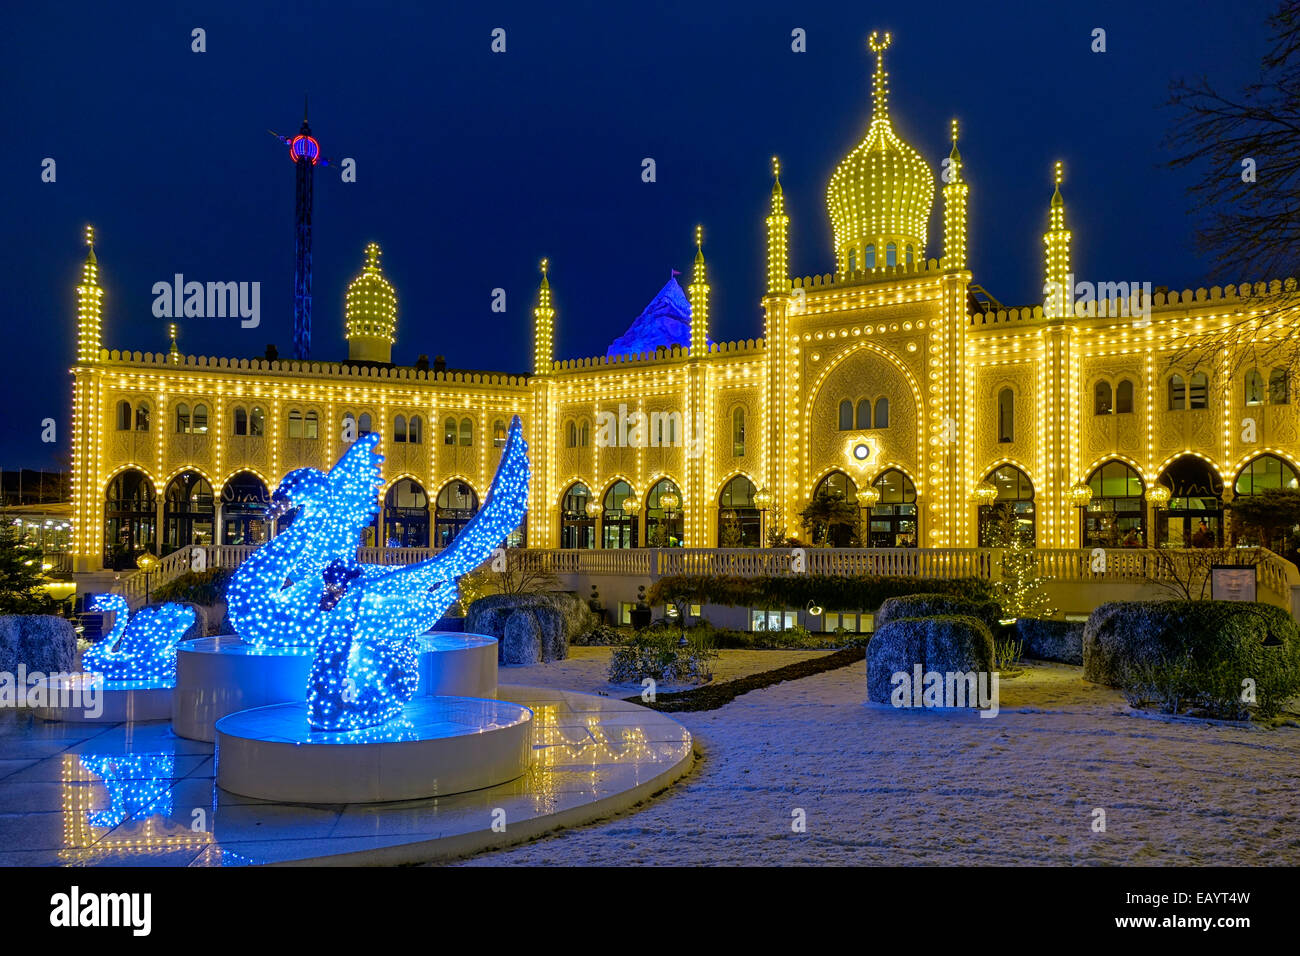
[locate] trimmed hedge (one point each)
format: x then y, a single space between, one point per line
951 643
1206 648
1051 640
933 604
833 592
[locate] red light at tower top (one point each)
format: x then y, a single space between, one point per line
304 147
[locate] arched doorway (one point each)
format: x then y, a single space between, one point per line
577 527
130 519
738 518
1193 516
663 524
894 518
244 503
618 528
406 515
189 512
1014 505
456 504
832 516
1116 513
1268 527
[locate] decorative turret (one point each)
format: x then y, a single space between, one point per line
880 196
699 295
370 313
89 309
778 227
543 326
955 191
1058 291
174 352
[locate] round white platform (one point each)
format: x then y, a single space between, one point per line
86 698
441 745
216 676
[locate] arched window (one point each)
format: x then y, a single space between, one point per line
572 432
499 433
577 527
130 519
1124 397
869 257
256 422
309 425
1254 387
189 511
466 432
738 518
584 435
295 423
1193 515
456 505
737 432
1116 515
1198 391
350 432
1006 415
182 418
891 254
618 528
909 256
364 426
893 519
142 417
882 412
1265 473
853 260
1177 393
406 515
832 517
1101 399
200 425
244 502
663 525
415 430
123 416
846 415
864 413
241 420
449 432
1013 511
399 428
1279 387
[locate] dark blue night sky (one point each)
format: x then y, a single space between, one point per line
472 165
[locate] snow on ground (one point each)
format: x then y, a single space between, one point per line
886 786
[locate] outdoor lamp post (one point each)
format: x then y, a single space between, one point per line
868 498
146 563
669 502
593 512
1080 494
762 500
632 505
1159 496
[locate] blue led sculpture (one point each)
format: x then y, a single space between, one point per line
365 667
139 786
141 646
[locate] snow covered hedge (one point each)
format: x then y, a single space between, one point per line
1195 654
530 627
43 642
935 604
951 643
1051 640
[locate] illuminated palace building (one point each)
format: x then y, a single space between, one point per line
894 382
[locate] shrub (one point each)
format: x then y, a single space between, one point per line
658 656
937 604
946 644
1195 654
602 635
1051 640
194 587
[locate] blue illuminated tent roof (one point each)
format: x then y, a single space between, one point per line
665 322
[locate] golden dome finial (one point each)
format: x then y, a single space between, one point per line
699 235
776 167
1059 172
90 235
954 131
880 82
546 264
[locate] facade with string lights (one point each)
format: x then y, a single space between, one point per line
892 390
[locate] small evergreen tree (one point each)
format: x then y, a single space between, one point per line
22 582
1022 591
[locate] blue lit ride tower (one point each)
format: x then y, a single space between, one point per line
305 153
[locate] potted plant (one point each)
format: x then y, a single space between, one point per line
597 608
641 613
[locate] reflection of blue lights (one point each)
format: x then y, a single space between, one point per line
141 646
138 785
366 662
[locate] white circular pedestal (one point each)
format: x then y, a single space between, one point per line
216 676
441 745
115 701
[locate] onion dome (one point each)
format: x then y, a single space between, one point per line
370 312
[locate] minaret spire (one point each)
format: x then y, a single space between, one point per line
699 295
880 80
1058 285
89 314
778 227
955 192
543 325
